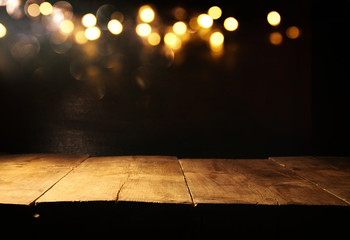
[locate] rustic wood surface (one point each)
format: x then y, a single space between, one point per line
131 178
23 178
250 181
330 173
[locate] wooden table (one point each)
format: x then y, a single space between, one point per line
47 182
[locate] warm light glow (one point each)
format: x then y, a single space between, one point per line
154 39
276 38
92 33
115 27
143 29
273 18
172 41
146 14
89 20
205 21
230 24
80 37
180 28
216 39
3 31
33 10
67 26
293 32
45 8
215 12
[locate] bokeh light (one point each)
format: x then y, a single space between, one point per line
293 32
14 8
154 39
205 21
216 39
80 37
143 29
3 31
274 18
45 8
180 28
180 13
276 38
67 26
89 20
115 27
171 40
215 12
33 10
92 33
146 14
231 24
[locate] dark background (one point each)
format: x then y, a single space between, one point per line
257 100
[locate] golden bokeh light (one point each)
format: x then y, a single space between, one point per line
33 10
154 39
293 32
231 24
276 38
274 18
67 26
180 28
215 12
45 8
205 21
216 39
89 20
171 40
146 14
143 29
115 27
180 13
92 33
3 31
80 37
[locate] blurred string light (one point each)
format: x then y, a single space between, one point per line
3 31
274 18
205 21
231 24
33 10
92 33
89 20
215 12
143 29
67 26
146 14
180 28
276 38
216 42
115 27
154 39
45 8
293 32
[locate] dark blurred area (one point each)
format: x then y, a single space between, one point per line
116 96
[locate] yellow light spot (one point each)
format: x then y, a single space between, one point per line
92 33
154 39
180 28
276 38
80 37
115 27
45 8
172 41
215 12
273 18
143 29
33 10
231 24
293 32
194 23
205 21
89 20
180 13
216 39
3 31
67 26
146 14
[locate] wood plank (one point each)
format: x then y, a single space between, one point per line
330 173
250 181
23 178
127 178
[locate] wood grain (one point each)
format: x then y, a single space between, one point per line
129 178
250 181
330 173
23 178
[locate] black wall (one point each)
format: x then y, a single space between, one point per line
257 100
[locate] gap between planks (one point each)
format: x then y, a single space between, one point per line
188 188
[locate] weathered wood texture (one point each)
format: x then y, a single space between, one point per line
250 181
130 178
329 173
24 178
